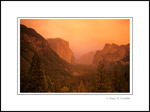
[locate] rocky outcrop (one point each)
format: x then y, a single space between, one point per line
61 47
87 58
112 53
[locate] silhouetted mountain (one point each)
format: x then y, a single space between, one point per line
40 63
61 47
87 58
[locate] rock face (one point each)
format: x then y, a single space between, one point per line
87 58
61 47
112 53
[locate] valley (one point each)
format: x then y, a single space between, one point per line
50 66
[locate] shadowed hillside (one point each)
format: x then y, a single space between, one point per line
52 66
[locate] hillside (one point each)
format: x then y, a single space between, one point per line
49 67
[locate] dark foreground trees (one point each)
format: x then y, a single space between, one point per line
115 79
36 79
102 80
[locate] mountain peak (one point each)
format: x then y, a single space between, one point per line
61 47
112 52
29 31
114 45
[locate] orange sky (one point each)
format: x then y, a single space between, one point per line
83 35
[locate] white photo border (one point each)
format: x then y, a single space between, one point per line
131 56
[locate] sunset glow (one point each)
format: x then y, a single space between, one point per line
83 35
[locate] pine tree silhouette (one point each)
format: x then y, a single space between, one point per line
37 79
101 78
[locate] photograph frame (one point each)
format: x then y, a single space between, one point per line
64 93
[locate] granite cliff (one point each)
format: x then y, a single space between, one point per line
112 53
61 47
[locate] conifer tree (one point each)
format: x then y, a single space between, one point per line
101 77
37 79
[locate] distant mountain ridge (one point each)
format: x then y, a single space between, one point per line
112 53
87 58
61 47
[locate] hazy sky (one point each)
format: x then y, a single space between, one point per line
83 35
